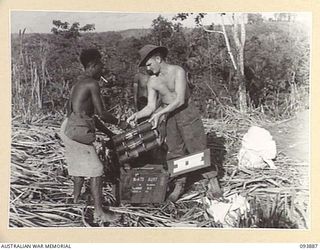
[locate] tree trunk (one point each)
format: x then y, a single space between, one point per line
238 64
239 40
224 32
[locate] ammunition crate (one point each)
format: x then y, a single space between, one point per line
143 185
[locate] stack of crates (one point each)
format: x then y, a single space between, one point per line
148 184
131 144
145 184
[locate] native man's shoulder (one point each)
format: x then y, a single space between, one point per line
89 81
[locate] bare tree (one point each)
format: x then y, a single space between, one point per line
239 37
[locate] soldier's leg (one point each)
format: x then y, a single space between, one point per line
211 175
195 140
179 188
176 149
174 140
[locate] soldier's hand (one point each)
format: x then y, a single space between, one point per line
155 120
132 118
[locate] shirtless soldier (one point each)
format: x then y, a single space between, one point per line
78 131
184 129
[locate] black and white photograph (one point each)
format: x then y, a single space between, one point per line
160 119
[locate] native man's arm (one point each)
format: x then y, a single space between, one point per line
69 107
98 105
69 104
101 127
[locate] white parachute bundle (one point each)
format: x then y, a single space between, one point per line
228 212
258 149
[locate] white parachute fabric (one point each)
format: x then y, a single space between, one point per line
258 149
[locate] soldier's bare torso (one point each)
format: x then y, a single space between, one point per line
164 84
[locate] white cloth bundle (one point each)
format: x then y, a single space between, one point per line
258 148
227 213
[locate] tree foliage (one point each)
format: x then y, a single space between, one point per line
162 30
276 56
255 18
65 30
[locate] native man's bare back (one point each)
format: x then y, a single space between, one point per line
81 97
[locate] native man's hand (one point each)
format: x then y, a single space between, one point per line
124 125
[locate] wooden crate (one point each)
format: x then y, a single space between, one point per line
143 185
189 163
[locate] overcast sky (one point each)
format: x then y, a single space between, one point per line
41 21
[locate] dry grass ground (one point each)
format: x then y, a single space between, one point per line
41 190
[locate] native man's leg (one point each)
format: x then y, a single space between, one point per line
78 183
96 190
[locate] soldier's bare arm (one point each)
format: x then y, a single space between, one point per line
151 106
180 90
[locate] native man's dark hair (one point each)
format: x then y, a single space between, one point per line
89 56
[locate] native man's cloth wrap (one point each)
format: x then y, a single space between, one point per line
82 159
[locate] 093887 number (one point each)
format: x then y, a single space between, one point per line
309 245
